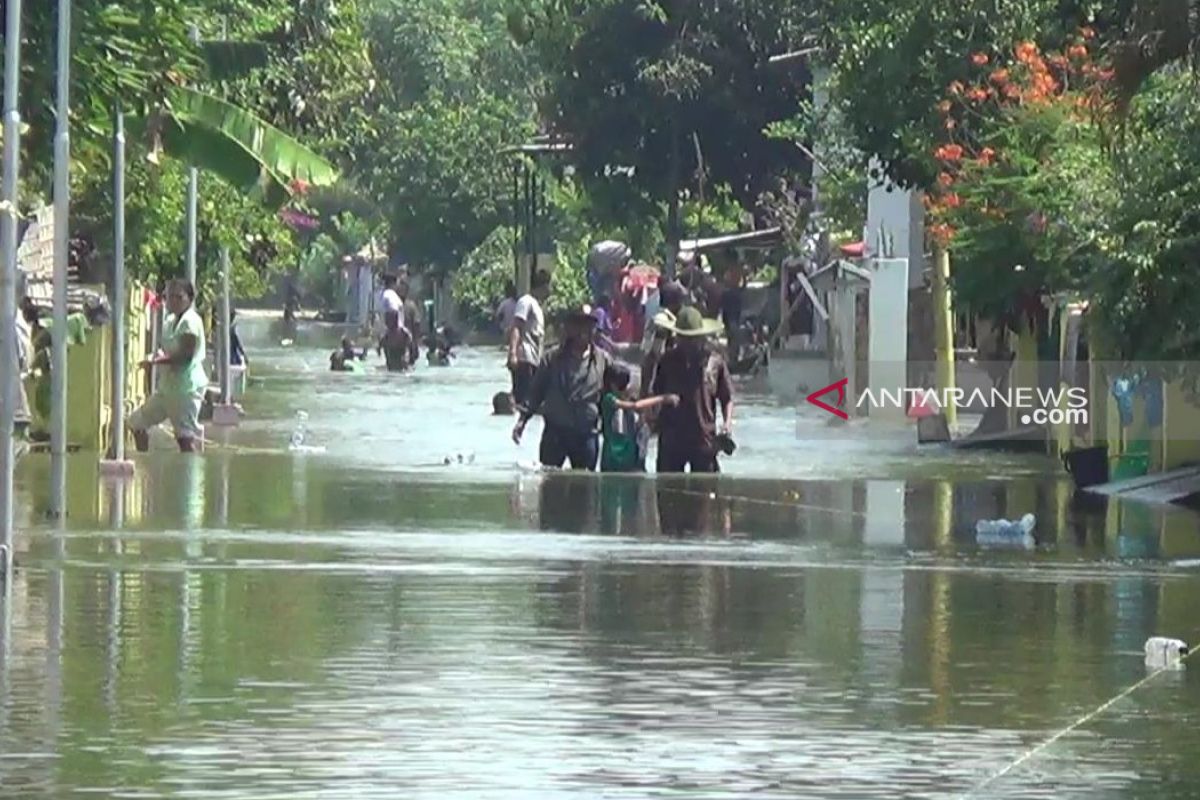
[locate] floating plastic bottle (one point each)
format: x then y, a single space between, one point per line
1164 653
300 432
1006 533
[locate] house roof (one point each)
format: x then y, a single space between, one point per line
764 239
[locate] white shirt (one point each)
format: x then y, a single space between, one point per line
390 302
533 330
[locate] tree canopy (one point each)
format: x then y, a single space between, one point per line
654 94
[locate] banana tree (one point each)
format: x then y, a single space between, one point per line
219 137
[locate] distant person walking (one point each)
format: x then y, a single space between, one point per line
181 387
566 391
688 434
237 353
526 336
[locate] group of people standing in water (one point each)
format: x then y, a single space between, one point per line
399 328
594 413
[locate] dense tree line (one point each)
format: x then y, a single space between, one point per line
1071 123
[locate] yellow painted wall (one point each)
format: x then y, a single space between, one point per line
1181 429
1024 368
89 376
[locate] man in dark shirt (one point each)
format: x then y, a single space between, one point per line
566 391
688 432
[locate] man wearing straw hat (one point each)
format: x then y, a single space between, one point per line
687 433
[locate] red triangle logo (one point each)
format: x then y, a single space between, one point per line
840 388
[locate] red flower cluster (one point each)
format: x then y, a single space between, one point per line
1027 77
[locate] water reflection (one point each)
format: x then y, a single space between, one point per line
768 681
190 498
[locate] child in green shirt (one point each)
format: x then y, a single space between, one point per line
625 435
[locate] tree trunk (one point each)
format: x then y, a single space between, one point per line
673 232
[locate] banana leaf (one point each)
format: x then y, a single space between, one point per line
210 150
233 144
280 154
229 60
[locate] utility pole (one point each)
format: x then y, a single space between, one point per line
193 192
8 279
62 225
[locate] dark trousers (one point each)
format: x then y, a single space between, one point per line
678 455
558 446
522 383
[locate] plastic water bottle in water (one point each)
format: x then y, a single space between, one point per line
300 432
1164 653
1006 533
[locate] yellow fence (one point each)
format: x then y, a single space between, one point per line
89 376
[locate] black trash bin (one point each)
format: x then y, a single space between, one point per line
1087 465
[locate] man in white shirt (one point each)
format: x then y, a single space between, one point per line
525 337
396 337
389 300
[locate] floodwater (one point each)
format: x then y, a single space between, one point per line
365 621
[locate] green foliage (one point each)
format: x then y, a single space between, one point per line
1146 298
139 54
893 59
129 52
225 61
631 82
569 290
478 286
322 261
1026 221
452 92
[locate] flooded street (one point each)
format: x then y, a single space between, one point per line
367 621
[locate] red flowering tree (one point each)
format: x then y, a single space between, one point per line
1020 170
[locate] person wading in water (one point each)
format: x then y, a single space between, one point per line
688 432
525 337
566 391
180 392
397 340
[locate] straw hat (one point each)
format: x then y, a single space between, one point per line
690 322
